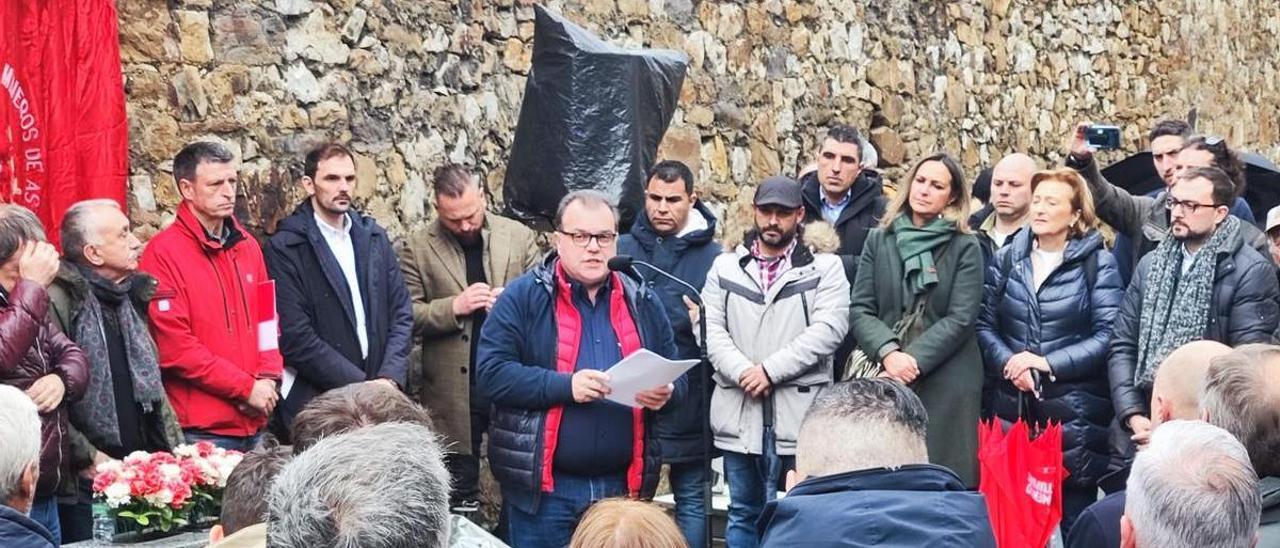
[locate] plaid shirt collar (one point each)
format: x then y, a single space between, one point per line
771 268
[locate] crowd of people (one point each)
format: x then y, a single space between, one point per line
854 338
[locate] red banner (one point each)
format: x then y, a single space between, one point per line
63 132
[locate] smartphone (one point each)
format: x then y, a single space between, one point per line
1103 137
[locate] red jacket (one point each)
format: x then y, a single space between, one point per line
204 318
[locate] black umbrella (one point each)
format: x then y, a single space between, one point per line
1137 174
1262 184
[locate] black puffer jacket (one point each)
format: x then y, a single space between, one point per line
32 346
516 370
1245 308
1068 324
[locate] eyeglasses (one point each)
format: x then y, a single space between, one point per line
1187 206
582 239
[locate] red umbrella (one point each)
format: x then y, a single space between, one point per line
1022 482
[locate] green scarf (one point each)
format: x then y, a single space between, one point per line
916 245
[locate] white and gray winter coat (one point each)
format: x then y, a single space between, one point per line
793 329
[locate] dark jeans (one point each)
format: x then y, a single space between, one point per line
687 482
45 512
243 444
746 475
559 511
465 469
76 514
1074 500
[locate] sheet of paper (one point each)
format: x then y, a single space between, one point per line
286 381
643 370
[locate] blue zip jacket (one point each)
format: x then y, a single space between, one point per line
689 258
915 505
515 369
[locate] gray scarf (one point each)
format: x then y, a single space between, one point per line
1175 307
97 409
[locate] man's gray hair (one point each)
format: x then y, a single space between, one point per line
862 424
77 230
20 430
1193 486
1242 396
381 486
588 197
18 225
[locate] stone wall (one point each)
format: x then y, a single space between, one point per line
413 83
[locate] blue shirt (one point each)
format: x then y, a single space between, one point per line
595 438
830 211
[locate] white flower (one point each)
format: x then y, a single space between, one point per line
185 451
160 498
110 466
117 494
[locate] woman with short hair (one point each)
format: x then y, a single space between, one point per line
1050 297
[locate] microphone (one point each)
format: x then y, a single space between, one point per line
620 263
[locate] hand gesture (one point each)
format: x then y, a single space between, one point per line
38 262
590 385
901 366
1079 145
1025 382
473 298
47 393
493 298
755 382
263 397
1022 362
694 315
1141 427
654 399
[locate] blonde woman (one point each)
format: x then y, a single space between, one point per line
626 523
1045 325
915 301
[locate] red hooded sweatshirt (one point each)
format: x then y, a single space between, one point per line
204 318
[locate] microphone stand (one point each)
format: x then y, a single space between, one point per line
705 374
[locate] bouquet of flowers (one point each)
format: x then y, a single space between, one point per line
161 488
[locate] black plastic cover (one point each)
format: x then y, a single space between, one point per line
592 117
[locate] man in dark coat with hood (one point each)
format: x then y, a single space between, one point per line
345 315
862 478
677 234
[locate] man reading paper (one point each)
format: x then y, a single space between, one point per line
541 360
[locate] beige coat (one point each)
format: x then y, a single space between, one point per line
435 272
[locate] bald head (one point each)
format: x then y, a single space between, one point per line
1011 187
1180 379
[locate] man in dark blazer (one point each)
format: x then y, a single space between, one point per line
345 315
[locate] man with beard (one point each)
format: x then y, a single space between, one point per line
776 312
1141 221
344 312
1201 282
455 268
